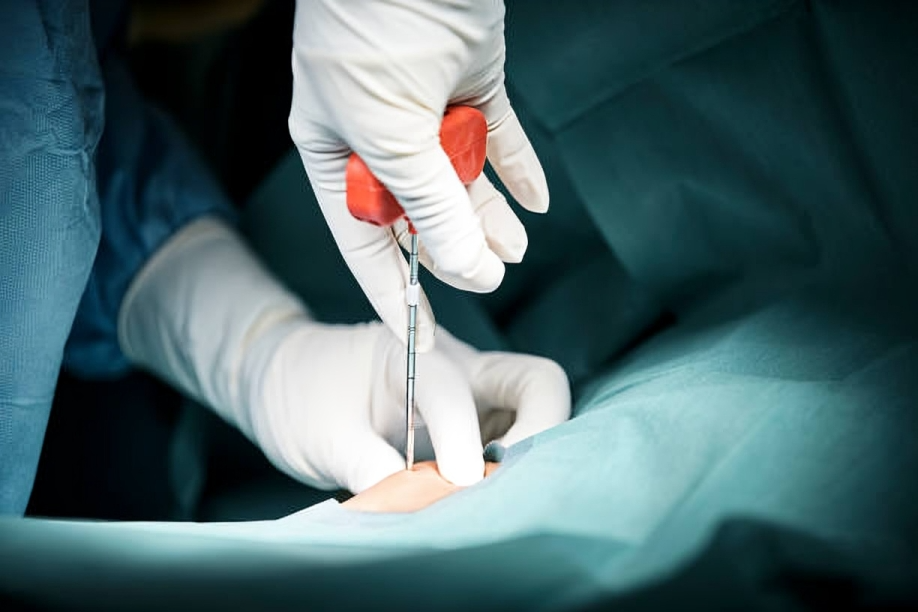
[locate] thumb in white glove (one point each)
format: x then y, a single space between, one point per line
375 78
324 402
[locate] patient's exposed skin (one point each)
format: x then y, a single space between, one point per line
407 491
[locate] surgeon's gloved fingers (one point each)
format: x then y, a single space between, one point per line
370 460
447 406
504 232
370 252
535 387
426 185
512 156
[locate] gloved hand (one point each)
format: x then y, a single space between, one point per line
324 402
375 78
333 402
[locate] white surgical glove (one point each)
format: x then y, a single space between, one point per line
374 77
324 402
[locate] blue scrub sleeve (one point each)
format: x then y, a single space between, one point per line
51 118
151 183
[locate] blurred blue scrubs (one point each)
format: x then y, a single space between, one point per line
80 211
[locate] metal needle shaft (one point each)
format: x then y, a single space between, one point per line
412 332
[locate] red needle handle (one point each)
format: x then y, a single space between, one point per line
463 136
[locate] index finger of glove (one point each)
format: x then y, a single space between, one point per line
445 401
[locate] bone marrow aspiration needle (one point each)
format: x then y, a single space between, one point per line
463 136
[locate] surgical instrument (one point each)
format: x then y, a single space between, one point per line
463 136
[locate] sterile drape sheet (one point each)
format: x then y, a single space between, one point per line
798 416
